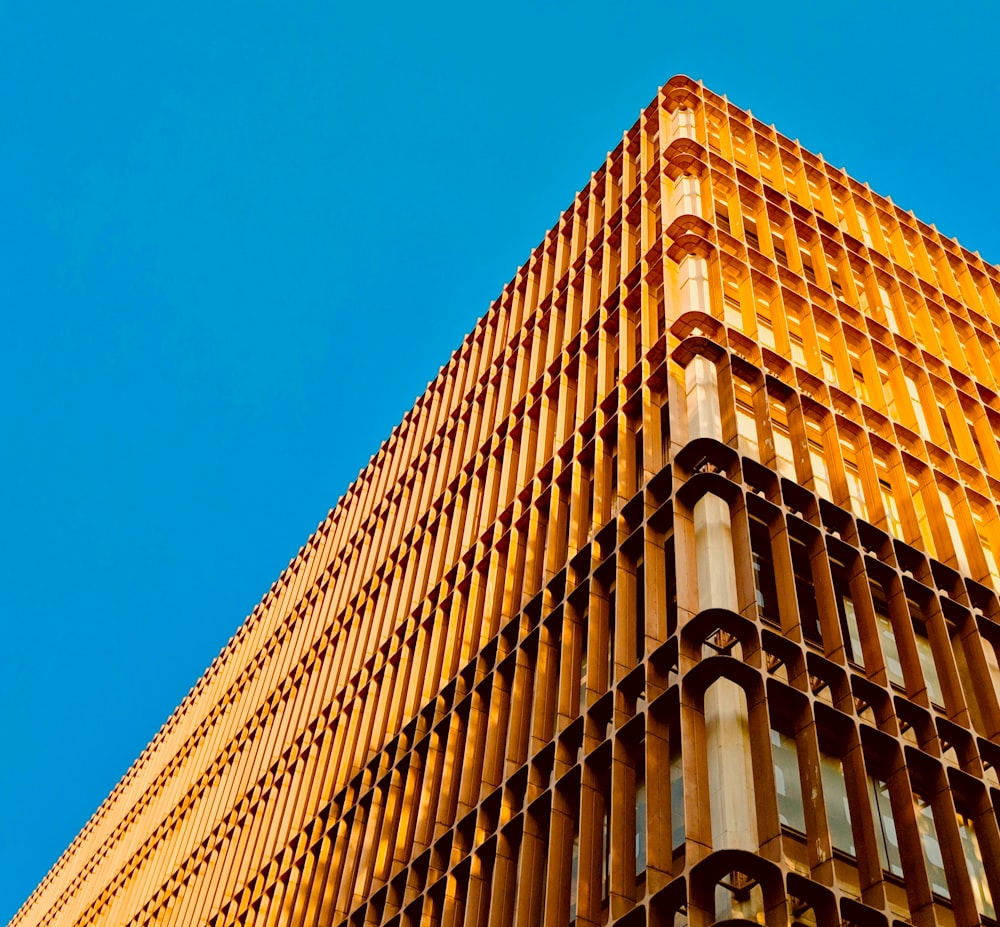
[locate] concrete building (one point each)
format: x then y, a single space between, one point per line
672 601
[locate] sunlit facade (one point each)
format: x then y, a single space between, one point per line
673 599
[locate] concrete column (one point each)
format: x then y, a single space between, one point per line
703 410
693 280
687 196
727 723
730 774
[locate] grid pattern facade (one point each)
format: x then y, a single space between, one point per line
673 600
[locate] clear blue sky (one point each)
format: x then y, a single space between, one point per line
237 240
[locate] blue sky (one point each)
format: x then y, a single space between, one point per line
237 240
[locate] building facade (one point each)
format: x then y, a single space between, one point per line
672 601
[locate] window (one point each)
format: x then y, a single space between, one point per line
838 810
722 216
837 286
920 510
974 863
976 443
784 452
740 155
604 789
746 419
888 312
956 536
918 409
808 271
817 458
866 235
780 254
931 846
857 374
847 614
979 521
641 809
787 781
885 381
890 652
574 873
925 654
763 571
855 488
765 327
949 434
826 355
676 789
805 592
732 308
883 474
796 344
612 608
885 826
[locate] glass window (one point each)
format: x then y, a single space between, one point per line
858 375
765 327
805 592
925 654
605 792
826 355
852 474
574 872
847 613
784 452
888 396
885 826
949 433
884 476
817 458
979 521
732 308
974 863
920 510
890 652
796 344
866 235
746 419
808 271
918 409
976 443
956 536
722 216
641 814
787 781
763 571
780 254
838 810
931 846
676 791
887 309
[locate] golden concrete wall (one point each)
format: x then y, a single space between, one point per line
687 555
